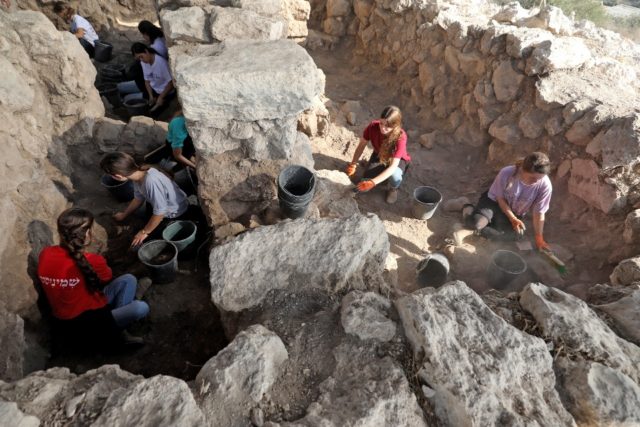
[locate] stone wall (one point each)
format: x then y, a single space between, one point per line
511 79
47 98
242 87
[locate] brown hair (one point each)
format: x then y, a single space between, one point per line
119 163
393 116
537 162
60 7
73 225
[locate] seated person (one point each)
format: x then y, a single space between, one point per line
167 200
516 190
157 79
79 26
178 146
389 159
154 37
79 286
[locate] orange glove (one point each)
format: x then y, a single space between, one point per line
364 186
541 244
518 226
351 169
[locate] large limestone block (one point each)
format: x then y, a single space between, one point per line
233 381
229 23
483 370
366 315
598 395
334 194
506 82
246 81
585 183
627 272
329 254
558 54
11 416
12 345
157 401
570 322
263 7
620 143
625 313
187 24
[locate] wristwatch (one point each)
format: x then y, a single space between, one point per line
143 231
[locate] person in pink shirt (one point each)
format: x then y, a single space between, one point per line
390 158
516 190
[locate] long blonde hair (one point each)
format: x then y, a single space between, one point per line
393 116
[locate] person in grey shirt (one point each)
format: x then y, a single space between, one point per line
150 185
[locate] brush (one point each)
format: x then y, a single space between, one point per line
557 263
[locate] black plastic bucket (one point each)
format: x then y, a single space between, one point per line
112 73
432 270
161 258
137 106
110 91
425 202
296 187
121 190
504 267
103 51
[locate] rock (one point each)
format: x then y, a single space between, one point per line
334 194
187 24
12 345
558 54
506 82
363 390
10 415
627 272
563 169
632 227
234 380
585 183
338 8
160 400
263 7
598 395
455 205
365 314
351 118
228 23
257 417
250 75
228 230
326 254
550 18
601 294
462 368
625 313
427 140
620 143
511 13
308 123
569 322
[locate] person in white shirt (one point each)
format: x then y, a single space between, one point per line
154 37
157 78
79 26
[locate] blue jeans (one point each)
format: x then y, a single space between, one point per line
396 178
120 294
129 90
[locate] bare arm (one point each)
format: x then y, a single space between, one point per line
387 172
133 205
147 85
167 89
359 149
504 206
79 33
538 223
177 154
152 224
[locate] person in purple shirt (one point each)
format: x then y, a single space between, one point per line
516 190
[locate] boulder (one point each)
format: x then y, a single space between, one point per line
506 82
234 380
558 54
625 313
328 254
598 395
338 8
569 322
187 24
486 372
12 345
631 232
627 272
363 390
585 183
156 401
11 416
263 7
366 315
334 194
227 23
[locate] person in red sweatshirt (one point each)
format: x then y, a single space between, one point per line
79 285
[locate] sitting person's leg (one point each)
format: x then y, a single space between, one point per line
128 87
488 219
120 295
88 47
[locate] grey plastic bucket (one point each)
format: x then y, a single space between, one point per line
112 73
103 51
137 106
180 233
296 188
504 267
121 190
425 202
161 258
432 270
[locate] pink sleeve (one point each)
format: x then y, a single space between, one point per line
401 147
543 199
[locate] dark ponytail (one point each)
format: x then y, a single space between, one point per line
146 27
73 225
138 47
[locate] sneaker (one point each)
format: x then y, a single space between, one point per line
130 340
143 285
467 210
392 195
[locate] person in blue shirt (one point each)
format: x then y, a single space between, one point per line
178 144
